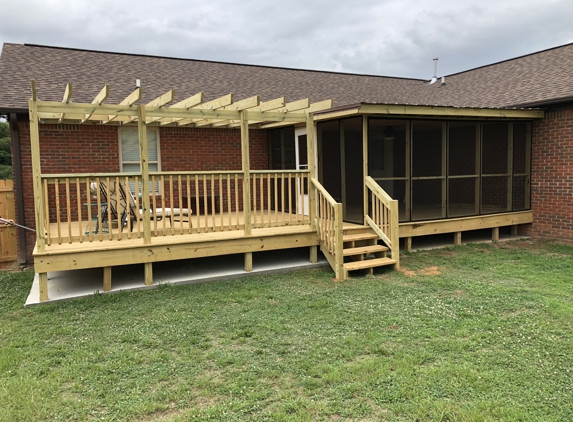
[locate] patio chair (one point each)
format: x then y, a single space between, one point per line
121 202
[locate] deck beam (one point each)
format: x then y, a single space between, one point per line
114 254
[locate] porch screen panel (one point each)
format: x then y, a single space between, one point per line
521 167
387 160
329 154
495 164
353 170
428 170
463 169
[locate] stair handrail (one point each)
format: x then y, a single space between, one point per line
329 227
382 217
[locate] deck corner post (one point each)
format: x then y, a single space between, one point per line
311 168
246 164
364 166
248 262
457 238
37 177
43 282
339 243
148 273
394 233
143 157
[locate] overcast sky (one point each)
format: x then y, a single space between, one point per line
382 37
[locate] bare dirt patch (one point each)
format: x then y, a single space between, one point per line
407 273
430 271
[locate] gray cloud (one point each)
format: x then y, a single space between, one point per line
395 38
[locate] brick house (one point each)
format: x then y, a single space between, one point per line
489 148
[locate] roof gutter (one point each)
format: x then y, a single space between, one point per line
17 169
545 102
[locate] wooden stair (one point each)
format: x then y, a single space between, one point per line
362 251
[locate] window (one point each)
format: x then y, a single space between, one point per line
129 151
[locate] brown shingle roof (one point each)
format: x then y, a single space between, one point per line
89 71
535 78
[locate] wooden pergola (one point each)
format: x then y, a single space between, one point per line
222 112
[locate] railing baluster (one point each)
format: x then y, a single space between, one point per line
189 208
212 202
221 209
68 210
137 193
47 212
171 205
79 207
237 199
197 210
109 215
205 203
229 223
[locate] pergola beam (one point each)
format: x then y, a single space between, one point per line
312 108
130 100
266 106
215 104
246 104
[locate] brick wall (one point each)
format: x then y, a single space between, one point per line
95 149
552 177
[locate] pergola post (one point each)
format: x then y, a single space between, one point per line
143 160
311 167
37 183
246 167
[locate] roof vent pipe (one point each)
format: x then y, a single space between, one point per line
443 81
435 77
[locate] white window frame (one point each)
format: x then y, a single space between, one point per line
122 162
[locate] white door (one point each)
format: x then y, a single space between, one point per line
301 164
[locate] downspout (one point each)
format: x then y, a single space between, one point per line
17 171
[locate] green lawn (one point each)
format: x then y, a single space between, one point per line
471 333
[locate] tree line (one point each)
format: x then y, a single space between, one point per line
5 156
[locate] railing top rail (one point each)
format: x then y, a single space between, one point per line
278 171
324 192
88 175
193 173
378 191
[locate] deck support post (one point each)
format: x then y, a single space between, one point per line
457 238
314 254
248 261
43 281
148 272
311 168
145 203
246 164
408 244
495 234
106 279
514 230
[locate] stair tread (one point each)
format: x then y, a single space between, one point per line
368 263
364 249
359 236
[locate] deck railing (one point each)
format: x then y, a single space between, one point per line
383 217
279 198
329 226
96 207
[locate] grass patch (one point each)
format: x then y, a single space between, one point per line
468 333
